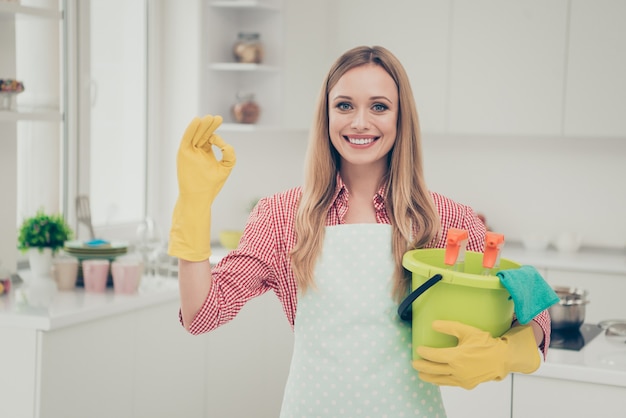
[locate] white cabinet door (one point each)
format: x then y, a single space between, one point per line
540 397
138 364
87 370
606 292
170 373
507 67
487 400
248 362
416 31
18 391
305 63
596 69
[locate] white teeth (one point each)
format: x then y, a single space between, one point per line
360 141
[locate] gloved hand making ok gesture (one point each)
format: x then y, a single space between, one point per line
200 178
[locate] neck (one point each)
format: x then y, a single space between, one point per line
362 180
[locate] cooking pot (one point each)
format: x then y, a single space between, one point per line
569 312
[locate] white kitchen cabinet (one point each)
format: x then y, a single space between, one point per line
606 291
223 79
506 67
416 31
487 400
140 363
305 63
595 100
542 397
248 362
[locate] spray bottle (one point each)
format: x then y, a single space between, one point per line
493 247
456 242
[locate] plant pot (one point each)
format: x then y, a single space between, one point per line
40 260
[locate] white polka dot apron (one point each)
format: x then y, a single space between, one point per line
352 353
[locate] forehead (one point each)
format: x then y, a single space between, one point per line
368 80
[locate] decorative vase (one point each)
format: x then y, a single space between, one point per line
40 260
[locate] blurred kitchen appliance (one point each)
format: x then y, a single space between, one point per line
574 338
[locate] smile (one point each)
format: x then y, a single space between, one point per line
361 140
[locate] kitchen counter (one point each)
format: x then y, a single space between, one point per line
81 349
600 362
74 307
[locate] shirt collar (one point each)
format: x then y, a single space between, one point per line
342 195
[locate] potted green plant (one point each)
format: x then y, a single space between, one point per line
42 236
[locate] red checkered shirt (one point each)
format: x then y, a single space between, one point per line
261 262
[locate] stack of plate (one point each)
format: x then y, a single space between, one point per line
85 251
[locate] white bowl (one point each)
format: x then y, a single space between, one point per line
568 242
536 242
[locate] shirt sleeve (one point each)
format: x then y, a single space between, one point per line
260 263
456 215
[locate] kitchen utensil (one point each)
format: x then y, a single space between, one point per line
65 272
148 242
569 313
608 322
95 275
83 213
440 293
616 332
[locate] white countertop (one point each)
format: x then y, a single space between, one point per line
600 361
71 307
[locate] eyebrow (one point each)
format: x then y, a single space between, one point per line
371 98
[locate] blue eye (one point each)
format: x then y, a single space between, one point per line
379 107
344 106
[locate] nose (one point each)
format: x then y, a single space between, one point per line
360 120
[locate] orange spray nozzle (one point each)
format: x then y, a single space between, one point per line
493 243
456 241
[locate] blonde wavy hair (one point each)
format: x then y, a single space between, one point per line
410 208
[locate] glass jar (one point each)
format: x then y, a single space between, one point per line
248 48
246 110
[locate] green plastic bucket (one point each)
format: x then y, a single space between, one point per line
440 293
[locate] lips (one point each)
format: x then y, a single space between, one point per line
360 140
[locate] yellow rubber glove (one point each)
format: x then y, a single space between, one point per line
478 357
200 178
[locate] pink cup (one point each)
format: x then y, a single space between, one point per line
95 275
126 275
65 272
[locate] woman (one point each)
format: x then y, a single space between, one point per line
333 249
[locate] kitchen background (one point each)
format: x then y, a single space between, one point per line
522 105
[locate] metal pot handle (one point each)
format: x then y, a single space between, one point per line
404 310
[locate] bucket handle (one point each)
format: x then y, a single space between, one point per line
404 310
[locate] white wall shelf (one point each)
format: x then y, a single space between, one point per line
8 9
31 115
225 79
242 4
235 66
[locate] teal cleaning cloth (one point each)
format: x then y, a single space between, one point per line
529 291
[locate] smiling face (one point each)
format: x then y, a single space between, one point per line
363 115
